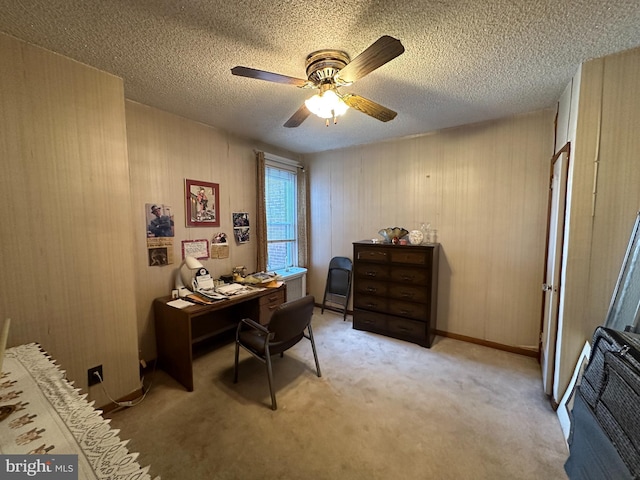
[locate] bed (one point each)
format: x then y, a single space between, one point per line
42 413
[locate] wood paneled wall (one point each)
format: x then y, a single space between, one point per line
164 150
66 267
483 187
600 225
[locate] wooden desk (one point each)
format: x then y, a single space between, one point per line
177 330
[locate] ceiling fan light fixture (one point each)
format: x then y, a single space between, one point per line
327 104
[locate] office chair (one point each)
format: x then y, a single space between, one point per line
338 286
285 329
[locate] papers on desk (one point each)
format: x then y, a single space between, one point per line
231 289
211 294
179 303
235 289
202 299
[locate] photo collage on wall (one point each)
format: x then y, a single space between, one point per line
241 227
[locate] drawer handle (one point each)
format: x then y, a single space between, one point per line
371 305
404 329
407 277
405 312
372 289
273 298
406 294
273 307
371 274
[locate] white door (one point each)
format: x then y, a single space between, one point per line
552 286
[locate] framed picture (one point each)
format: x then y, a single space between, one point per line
202 204
195 248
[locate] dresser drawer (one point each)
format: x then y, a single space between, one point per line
371 271
407 256
370 287
372 255
363 320
370 302
411 328
419 276
408 292
418 311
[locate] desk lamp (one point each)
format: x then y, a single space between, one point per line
191 264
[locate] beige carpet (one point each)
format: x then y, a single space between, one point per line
383 409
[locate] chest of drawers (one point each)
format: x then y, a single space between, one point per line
395 290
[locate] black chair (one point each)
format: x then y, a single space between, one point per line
338 286
285 329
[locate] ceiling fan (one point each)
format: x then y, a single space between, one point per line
329 70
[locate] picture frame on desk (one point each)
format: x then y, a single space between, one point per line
202 203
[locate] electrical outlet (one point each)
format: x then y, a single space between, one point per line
93 378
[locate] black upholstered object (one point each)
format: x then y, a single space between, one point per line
607 410
290 323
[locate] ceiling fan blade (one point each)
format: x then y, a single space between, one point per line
297 118
268 76
369 107
383 50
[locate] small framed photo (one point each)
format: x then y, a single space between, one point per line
202 204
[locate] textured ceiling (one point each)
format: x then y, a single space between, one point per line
464 61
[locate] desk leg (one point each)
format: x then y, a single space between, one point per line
173 340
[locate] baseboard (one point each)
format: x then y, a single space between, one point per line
135 395
147 369
498 346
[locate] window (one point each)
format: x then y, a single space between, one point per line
281 210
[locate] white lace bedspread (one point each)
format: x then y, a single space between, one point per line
41 412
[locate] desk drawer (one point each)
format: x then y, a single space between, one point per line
268 304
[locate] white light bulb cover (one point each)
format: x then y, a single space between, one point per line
326 105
